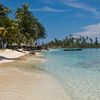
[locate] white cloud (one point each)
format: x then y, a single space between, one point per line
82 6
90 31
48 9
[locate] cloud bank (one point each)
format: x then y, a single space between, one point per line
90 31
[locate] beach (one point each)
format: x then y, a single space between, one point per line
22 83
9 55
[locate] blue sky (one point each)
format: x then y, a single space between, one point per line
64 17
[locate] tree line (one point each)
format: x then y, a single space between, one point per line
74 42
22 28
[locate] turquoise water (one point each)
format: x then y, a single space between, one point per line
77 71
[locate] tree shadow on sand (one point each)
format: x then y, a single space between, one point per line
5 58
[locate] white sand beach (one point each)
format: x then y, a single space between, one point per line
8 55
18 84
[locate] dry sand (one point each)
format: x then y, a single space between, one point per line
19 84
16 84
9 55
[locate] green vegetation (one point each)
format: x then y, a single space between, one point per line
23 29
74 42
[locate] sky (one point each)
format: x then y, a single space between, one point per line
63 17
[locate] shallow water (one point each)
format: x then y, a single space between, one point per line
77 71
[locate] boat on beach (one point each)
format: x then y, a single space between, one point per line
72 49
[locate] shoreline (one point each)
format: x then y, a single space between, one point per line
16 84
23 83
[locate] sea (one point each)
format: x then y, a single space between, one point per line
78 72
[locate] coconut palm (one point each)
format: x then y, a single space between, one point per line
29 26
4 11
9 32
25 29
26 23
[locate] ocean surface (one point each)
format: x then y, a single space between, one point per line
77 71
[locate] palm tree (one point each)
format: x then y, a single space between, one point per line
3 32
4 11
24 29
40 30
30 28
96 43
9 33
26 23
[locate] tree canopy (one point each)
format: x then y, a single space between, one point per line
23 29
75 42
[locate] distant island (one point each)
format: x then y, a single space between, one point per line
74 42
